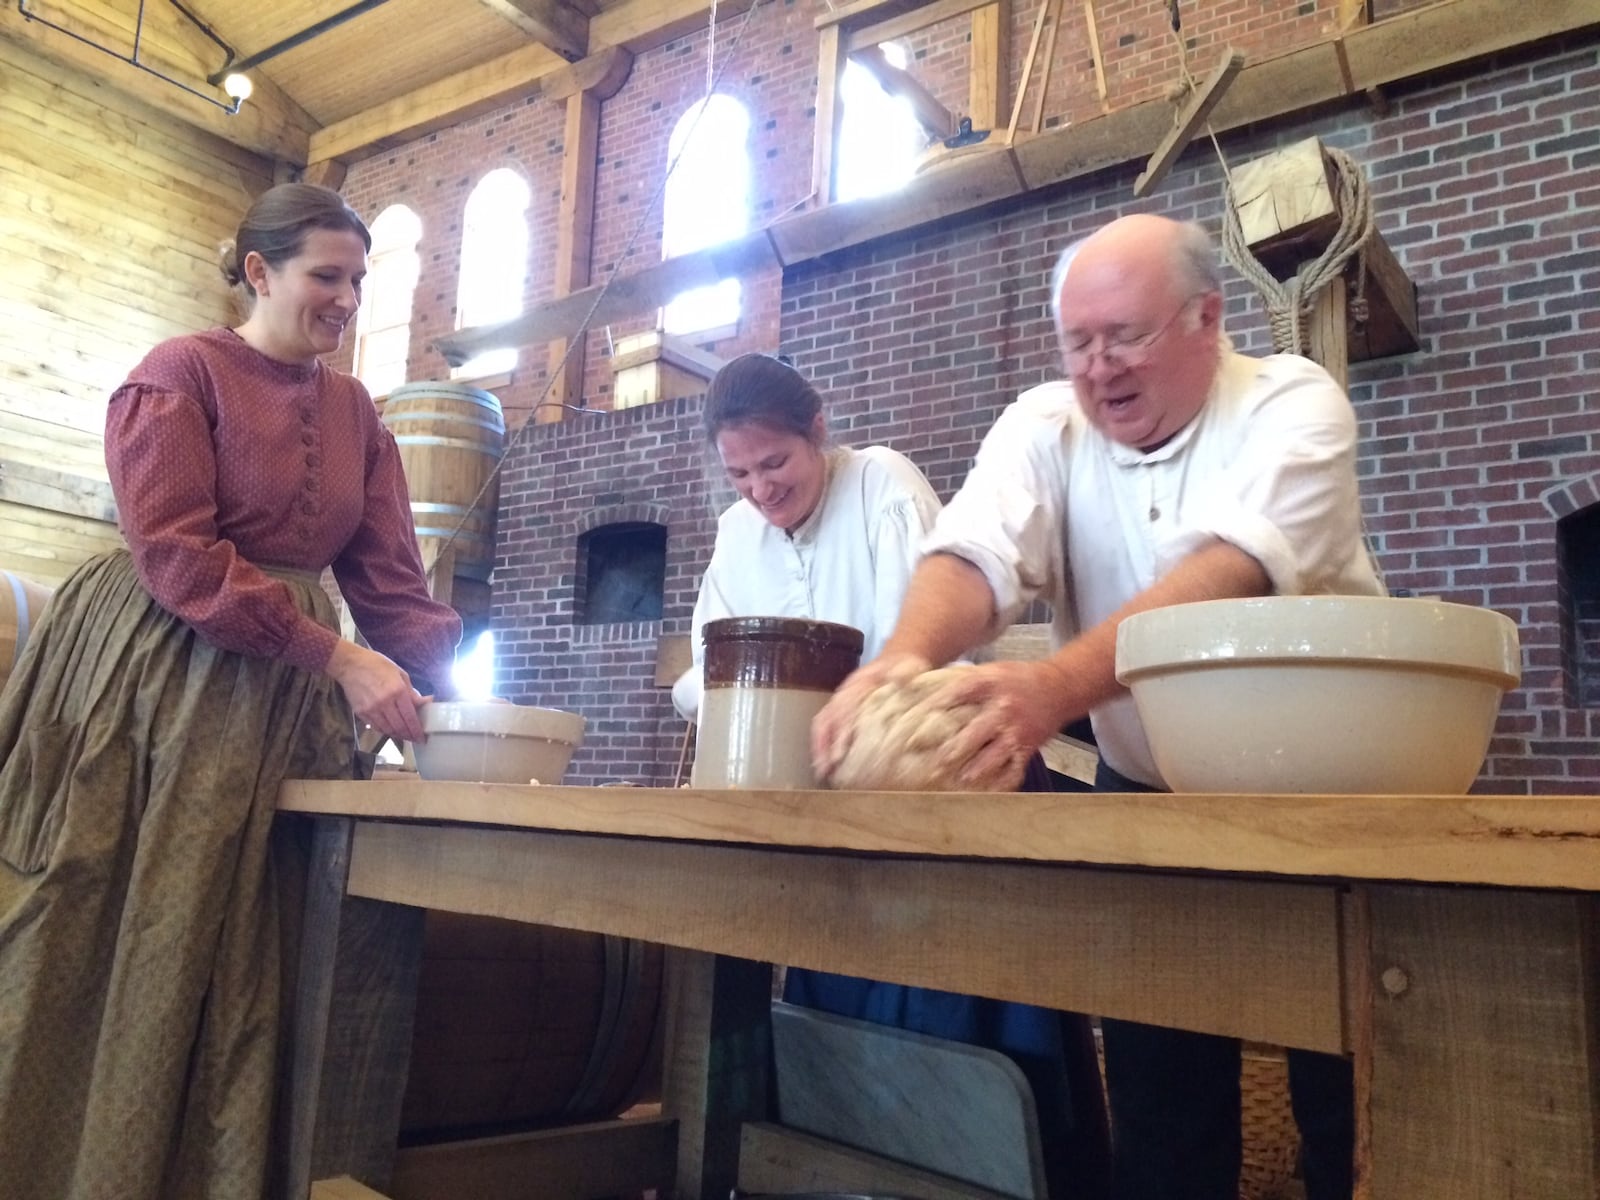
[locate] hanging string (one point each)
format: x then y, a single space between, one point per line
1289 304
711 49
712 79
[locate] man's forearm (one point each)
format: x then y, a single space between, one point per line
1087 664
947 611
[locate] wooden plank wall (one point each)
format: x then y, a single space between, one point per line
110 219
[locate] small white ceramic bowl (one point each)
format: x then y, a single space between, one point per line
1354 695
496 743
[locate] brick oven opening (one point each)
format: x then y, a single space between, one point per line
1578 556
622 573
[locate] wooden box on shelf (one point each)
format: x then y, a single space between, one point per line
652 366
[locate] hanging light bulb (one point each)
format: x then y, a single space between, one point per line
237 87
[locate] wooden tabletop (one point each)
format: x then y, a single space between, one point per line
1518 841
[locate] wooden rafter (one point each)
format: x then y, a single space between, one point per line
889 28
269 124
601 75
1189 121
635 26
435 106
548 22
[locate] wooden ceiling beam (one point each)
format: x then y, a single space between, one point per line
447 102
548 22
858 36
634 27
625 296
600 75
268 124
640 25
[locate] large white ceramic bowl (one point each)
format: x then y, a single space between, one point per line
496 743
1319 694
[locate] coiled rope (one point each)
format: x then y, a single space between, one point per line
1290 303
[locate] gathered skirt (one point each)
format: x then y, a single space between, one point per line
142 933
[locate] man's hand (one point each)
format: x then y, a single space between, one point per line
1021 705
833 728
378 690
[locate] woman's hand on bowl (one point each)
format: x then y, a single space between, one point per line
379 691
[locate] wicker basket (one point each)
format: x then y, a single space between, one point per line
1270 1140
1271 1143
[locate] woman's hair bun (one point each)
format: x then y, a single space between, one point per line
228 254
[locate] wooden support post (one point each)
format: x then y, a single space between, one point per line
719 1044
350 1027
831 60
1329 320
986 83
1096 55
1485 1064
1044 70
574 244
1047 10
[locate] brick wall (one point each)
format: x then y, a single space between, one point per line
768 63
1487 186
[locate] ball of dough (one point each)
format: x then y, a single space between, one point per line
900 735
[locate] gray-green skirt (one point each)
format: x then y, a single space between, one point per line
141 928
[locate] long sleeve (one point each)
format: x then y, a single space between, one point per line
710 605
1007 517
381 575
163 467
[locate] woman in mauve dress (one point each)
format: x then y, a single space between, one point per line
833 534
146 900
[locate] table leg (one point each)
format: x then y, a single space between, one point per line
350 1030
1484 1048
717 1075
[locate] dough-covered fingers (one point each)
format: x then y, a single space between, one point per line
833 729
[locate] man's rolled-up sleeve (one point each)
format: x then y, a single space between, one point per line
1291 501
1006 519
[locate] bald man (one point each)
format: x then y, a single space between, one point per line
1166 469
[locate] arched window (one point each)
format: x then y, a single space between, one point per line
880 138
383 322
494 263
707 201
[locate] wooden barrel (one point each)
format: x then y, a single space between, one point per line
520 1026
451 438
21 601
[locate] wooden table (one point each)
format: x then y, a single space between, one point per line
1446 942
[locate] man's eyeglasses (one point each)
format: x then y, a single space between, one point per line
1119 351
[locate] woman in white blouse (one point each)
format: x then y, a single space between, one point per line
821 532
833 534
